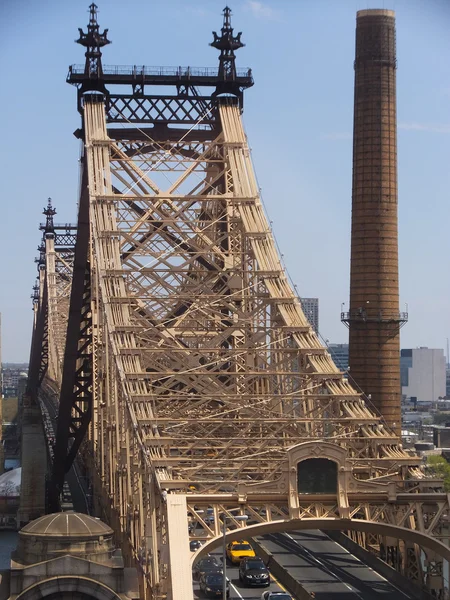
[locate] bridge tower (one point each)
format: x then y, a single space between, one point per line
374 319
190 382
50 310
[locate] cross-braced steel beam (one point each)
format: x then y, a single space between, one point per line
189 367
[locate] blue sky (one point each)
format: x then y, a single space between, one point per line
298 117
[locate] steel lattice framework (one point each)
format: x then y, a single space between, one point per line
188 361
51 296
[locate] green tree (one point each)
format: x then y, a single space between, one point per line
440 467
441 417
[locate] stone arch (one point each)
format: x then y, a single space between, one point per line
81 588
394 531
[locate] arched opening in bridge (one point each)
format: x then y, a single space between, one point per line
69 596
317 476
70 587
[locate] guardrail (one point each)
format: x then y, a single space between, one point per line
142 70
379 566
363 314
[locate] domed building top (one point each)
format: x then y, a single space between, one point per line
67 524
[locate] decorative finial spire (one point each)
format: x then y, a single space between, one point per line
227 43
93 41
41 260
35 294
49 212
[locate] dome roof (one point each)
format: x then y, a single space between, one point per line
67 524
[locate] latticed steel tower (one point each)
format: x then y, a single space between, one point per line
189 380
374 319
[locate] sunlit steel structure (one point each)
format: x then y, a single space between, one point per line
191 383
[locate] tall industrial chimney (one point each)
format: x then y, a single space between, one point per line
374 319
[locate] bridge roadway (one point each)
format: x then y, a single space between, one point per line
321 565
78 495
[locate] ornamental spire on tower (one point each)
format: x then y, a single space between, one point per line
49 212
35 294
227 43
93 41
41 260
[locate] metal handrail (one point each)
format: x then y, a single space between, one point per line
142 70
65 226
381 315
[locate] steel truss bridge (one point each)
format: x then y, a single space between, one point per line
188 377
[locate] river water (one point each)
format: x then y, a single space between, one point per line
8 543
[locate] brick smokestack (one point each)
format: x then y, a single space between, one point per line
374 319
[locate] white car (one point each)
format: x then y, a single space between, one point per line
276 596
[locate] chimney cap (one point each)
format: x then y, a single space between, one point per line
375 12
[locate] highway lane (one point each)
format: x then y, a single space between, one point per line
237 590
324 567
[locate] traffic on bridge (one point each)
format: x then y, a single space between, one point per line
322 567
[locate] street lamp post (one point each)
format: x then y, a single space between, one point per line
224 550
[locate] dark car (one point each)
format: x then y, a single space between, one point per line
208 564
211 584
194 545
253 571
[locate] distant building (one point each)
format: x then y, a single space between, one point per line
447 382
422 373
441 436
339 354
1 367
310 307
11 375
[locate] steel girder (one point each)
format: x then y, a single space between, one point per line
75 402
39 340
51 306
205 369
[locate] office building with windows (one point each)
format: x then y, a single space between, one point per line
423 374
339 354
310 307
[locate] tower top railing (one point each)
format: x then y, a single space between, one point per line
374 316
160 75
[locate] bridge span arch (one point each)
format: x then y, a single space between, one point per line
70 587
281 526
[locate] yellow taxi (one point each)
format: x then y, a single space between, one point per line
236 551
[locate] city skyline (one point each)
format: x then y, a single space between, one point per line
301 140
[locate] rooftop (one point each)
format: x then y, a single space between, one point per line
67 524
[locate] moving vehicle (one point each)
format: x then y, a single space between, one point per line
194 545
253 571
208 564
236 551
211 584
209 518
276 596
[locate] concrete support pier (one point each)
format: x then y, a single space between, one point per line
34 466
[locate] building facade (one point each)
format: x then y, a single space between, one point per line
423 374
11 374
310 307
339 354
